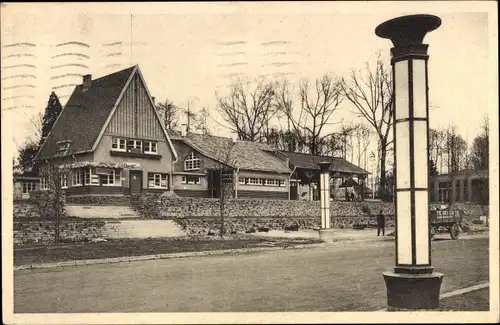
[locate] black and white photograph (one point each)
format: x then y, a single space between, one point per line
249 162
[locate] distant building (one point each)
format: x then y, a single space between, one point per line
251 171
468 186
24 184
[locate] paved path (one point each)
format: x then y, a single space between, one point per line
346 276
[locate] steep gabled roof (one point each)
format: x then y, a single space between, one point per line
86 114
308 161
249 155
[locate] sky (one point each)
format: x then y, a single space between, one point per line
188 51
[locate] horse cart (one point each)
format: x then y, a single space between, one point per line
445 220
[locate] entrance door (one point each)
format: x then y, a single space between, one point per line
135 181
214 180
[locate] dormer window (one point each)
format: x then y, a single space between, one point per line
192 162
63 146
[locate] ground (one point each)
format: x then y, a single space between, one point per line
344 276
135 247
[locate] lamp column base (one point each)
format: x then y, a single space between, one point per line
413 291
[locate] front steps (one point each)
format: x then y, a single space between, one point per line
124 222
142 229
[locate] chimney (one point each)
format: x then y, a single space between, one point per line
153 99
87 81
184 130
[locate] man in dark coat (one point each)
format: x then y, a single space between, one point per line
380 224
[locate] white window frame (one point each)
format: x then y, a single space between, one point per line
43 184
64 180
158 178
76 177
255 181
114 176
121 144
242 181
93 178
192 162
148 147
29 187
191 180
136 144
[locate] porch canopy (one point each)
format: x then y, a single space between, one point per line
306 167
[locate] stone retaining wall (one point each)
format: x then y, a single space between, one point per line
204 225
98 199
198 216
26 209
29 231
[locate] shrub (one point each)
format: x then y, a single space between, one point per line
366 210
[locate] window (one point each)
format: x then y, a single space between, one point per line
272 182
241 181
77 177
192 162
255 181
91 178
190 180
118 144
151 147
134 145
29 187
43 184
157 180
111 178
63 146
443 191
64 180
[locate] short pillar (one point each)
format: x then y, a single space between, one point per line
413 284
325 232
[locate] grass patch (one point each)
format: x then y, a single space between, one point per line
478 300
149 246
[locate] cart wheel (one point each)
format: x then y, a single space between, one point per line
433 233
454 231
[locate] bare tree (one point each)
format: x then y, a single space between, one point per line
370 92
223 166
437 139
362 135
456 149
54 178
480 147
248 108
317 105
169 113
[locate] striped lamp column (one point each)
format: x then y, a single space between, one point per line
325 194
413 284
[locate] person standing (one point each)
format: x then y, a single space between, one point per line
380 224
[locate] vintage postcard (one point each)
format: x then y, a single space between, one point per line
249 162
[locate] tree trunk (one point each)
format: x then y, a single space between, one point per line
57 213
383 156
222 201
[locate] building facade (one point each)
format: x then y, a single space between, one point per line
206 162
463 186
109 140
